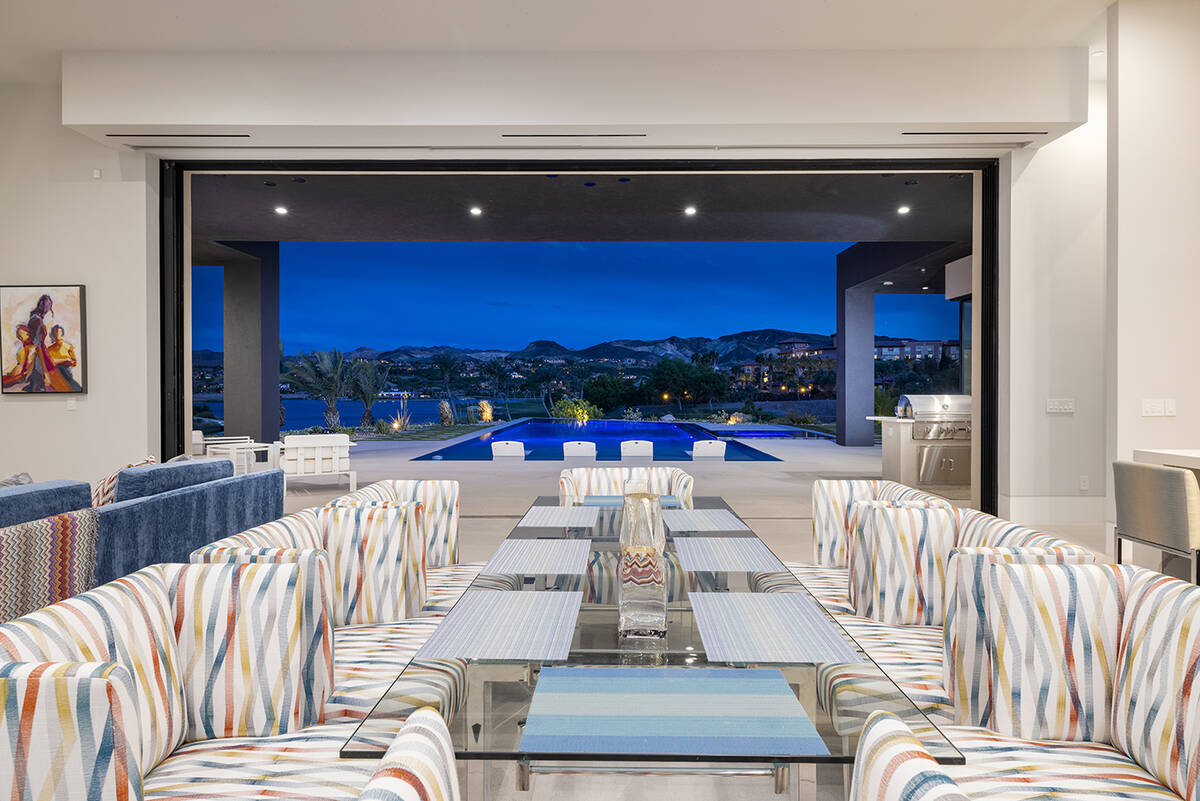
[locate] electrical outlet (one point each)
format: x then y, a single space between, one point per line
1153 407
1084 484
72 404
1169 407
1060 405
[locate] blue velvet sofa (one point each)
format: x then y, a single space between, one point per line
151 479
168 526
26 502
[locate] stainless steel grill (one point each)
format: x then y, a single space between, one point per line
942 433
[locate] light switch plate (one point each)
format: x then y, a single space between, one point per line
72 404
1060 405
1153 407
1169 407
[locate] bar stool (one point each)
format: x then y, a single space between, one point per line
1160 507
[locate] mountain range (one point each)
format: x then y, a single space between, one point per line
731 349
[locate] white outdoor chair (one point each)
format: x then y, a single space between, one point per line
637 448
579 448
508 448
304 455
708 449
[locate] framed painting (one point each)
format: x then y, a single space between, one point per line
43 339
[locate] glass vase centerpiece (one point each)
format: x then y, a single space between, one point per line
643 592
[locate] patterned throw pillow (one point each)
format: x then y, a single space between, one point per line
104 490
377 553
966 670
1054 631
16 480
247 649
898 563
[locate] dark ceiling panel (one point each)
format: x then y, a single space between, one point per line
615 207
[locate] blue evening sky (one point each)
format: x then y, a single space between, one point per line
506 294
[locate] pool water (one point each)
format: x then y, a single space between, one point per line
544 440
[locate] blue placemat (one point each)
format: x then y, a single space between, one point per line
668 501
770 627
540 557
686 711
726 554
506 626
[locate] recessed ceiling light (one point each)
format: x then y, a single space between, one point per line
281 210
268 183
922 269
690 210
476 211
888 283
903 210
925 288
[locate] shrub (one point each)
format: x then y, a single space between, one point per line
807 420
446 413
383 426
485 412
633 413
575 409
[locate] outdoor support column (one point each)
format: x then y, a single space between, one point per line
855 366
252 341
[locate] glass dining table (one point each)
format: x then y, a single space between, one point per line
734 689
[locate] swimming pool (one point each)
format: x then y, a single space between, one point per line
544 439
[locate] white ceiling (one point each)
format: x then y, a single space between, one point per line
34 33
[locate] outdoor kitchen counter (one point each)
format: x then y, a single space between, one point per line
899 450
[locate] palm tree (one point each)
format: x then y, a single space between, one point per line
447 363
500 372
367 380
322 376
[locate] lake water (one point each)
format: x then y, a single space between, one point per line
304 413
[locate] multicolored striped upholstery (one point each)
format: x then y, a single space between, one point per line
1156 705
255 646
576 483
445 585
298 766
967 663
299 530
419 765
832 509
898 563
378 560
1053 631
912 659
46 560
439 501
368 658
892 765
829 585
440 507
128 622
70 730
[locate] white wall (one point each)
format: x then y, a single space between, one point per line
1053 327
1154 80
62 226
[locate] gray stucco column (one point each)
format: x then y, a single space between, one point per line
252 341
855 366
